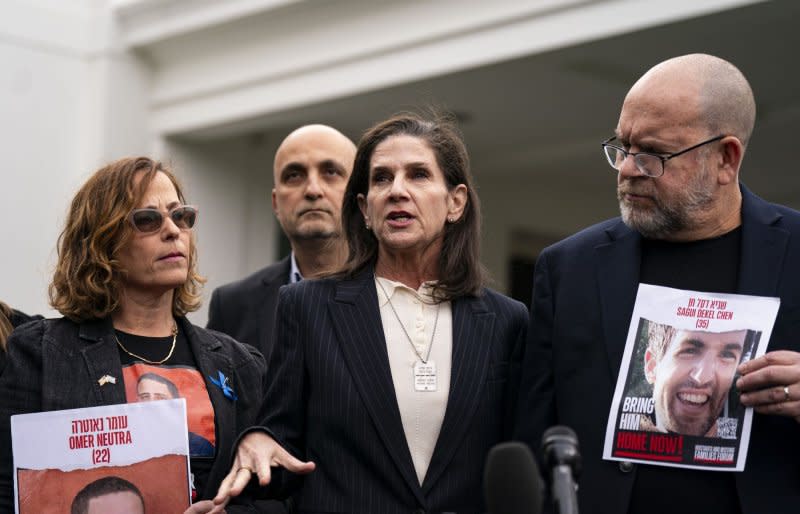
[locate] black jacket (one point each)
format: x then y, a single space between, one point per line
17 318
245 309
55 364
584 293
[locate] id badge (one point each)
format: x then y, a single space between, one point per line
425 376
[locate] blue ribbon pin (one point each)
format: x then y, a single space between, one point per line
222 383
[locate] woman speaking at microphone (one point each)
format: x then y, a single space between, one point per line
126 277
390 381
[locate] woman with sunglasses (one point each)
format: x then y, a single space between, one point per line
126 277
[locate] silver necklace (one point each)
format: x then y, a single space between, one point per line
411 341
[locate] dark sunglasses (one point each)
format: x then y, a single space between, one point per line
151 220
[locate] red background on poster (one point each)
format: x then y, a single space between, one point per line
163 482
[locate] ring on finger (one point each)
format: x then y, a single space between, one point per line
245 468
786 393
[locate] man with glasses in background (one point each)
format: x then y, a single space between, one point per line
686 222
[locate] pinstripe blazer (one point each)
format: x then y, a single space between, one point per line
331 399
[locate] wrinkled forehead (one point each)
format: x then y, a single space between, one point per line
659 105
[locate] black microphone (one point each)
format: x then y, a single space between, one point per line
562 458
511 481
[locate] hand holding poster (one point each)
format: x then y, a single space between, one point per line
132 455
675 403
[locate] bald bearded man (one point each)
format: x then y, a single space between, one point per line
688 223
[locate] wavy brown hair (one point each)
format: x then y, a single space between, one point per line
5 324
87 281
460 270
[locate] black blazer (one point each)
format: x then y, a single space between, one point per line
55 364
584 291
331 399
245 310
20 318
17 318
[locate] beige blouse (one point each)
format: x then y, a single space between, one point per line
421 412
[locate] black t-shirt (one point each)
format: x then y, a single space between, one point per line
710 265
178 377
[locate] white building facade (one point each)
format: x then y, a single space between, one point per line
212 86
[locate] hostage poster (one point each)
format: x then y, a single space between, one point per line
130 457
675 403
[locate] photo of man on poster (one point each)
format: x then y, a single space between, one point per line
152 387
108 495
691 373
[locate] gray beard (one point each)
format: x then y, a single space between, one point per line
665 220
654 224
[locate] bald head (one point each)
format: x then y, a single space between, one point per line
311 167
699 110
328 138
711 91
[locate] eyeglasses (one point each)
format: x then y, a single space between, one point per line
151 220
649 164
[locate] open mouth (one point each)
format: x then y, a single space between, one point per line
400 216
696 399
